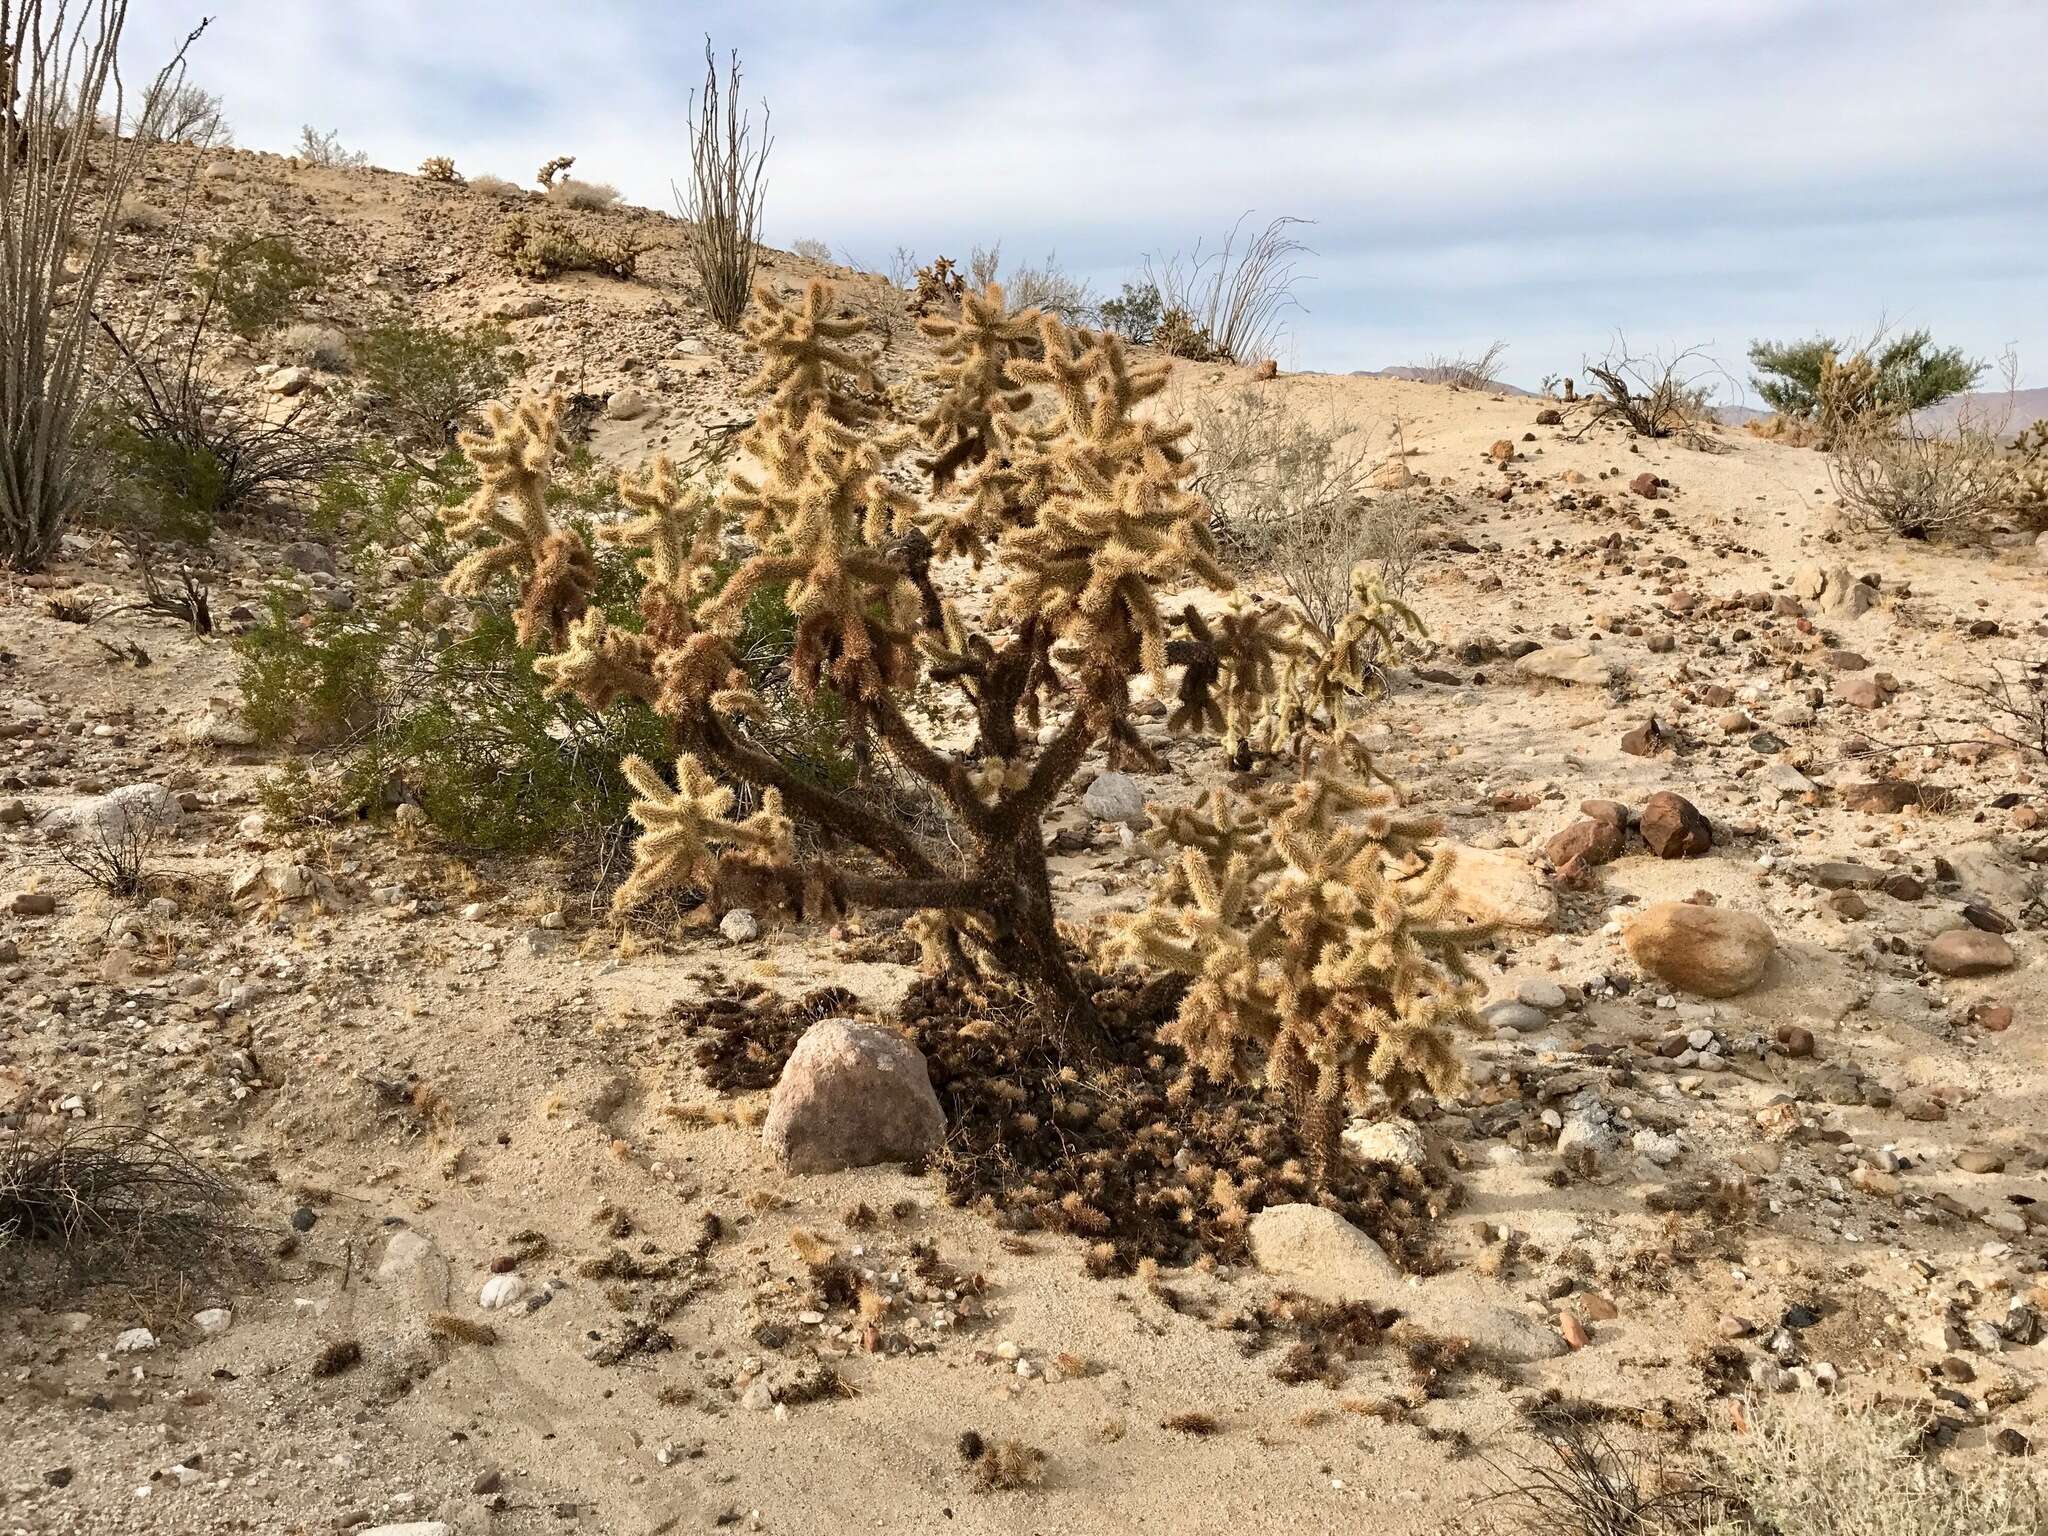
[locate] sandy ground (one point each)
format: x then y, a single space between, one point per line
562 1091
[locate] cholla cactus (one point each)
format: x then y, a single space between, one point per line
440 168
1089 511
551 169
1325 956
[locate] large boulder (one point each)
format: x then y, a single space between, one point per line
1116 796
850 1095
1499 888
1708 951
1566 664
132 811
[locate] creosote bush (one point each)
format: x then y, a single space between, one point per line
251 282
426 381
813 250
1903 373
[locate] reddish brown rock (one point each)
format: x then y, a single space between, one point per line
850 1095
1969 952
1646 485
1674 827
1589 840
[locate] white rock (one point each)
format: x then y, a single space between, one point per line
1116 797
134 1341
213 1320
1398 1142
740 925
625 404
131 810
1540 992
403 1253
409 1528
500 1291
1567 664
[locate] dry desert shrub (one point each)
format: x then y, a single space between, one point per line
583 196
193 115
314 346
1895 475
114 1201
813 250
1480 371
325 150
1863 1471
138 216
1654 395
495 186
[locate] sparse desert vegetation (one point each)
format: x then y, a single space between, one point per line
648 883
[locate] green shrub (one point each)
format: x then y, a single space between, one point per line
1910 371
158 488
252 281
427 380
437 702
1135 316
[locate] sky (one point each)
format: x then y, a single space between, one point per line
1687 173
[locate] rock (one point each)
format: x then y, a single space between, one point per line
1646 485
1860 689
220 724
501 1291
1549 416
1398 1142
1591 1127
1116 797
1709 951
1541 992
213 1320
33 904
1788 781
1841 875
1595 842
517 306
850 1095
1658 1147
1566 664
1846 598
1979 1160
1674 828
1509 1014
1612 811
1968 952
1987 918
1317 1252
282 883
740 925
408 1528
403 1253
289 381
1796 1041
625 404
1499 888
1643 740
1501 451
1394 475
133 810
134 1341
1570 1329
304 556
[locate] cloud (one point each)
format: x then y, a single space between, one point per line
1693 171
